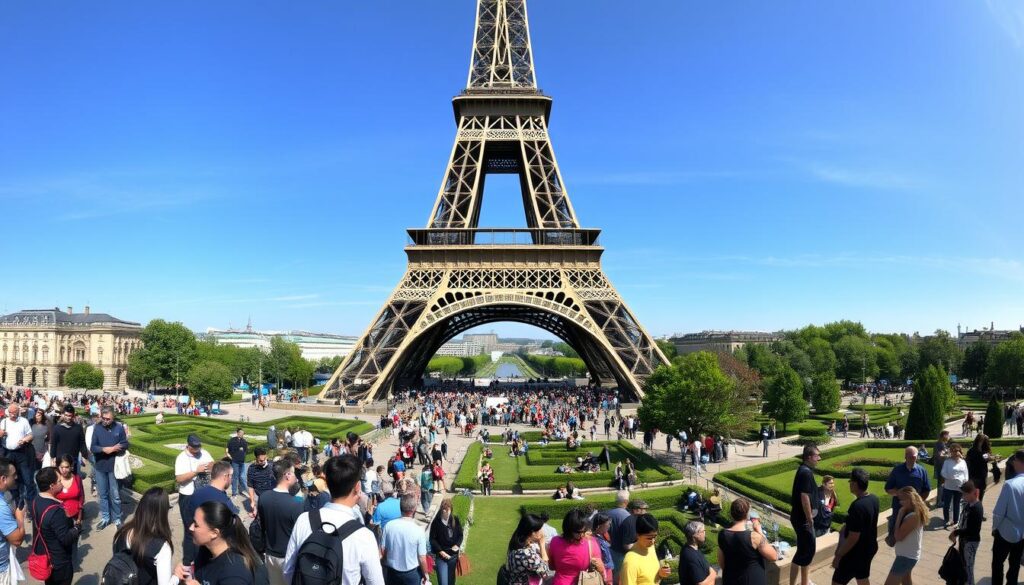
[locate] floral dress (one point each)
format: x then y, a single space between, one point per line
525 567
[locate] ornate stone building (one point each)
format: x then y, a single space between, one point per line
38 345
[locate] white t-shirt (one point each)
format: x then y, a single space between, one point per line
16 431
186 463
361 557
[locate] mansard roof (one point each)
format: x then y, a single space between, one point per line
58 317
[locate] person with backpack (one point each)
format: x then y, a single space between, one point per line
224 554
348 553
277 512
54 535
12 520
143 546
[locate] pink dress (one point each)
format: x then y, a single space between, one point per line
569 560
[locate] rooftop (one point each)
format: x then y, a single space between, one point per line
55 316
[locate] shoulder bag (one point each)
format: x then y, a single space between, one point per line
591 576
39 565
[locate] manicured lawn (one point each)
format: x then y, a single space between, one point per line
772 483
536 469
149 440
495 519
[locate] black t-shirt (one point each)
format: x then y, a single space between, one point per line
862 518
227 569
278 512
803 483
693 567
237 448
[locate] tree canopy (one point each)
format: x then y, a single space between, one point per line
784 397
83 375
695 395
209 381
167 353
1006 364
926 417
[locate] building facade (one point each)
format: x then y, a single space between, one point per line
720 341
313 345
461 349
991 336
38 345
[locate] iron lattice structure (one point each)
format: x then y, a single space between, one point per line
461 276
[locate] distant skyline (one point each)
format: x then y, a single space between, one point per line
752 167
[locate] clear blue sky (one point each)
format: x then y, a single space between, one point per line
752 165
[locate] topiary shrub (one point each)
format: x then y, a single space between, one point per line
994 419
926 416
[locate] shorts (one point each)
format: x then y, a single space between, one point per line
902 566
806 546
851 568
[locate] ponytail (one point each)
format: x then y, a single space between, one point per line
232 530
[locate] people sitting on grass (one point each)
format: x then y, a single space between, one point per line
488 453
564 468
567 492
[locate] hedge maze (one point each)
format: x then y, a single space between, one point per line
536 469
149 440
772 483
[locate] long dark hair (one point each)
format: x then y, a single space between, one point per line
528 524
148 523
220 517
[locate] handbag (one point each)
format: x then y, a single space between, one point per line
430 564
462 565
591 576
122 466
952 570
39 565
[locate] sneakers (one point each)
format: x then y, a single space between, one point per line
103 524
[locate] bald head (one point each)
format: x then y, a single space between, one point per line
910 455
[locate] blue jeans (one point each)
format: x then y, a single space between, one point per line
25 460
411 577
303 453
426 496
951 499
110 497
238 479
445 570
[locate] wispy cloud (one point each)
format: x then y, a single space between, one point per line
861 177
1009 14
647 177
1003 268
294 298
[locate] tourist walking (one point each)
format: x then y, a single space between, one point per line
953 475
805 504
40 436
978 457
527 559
940 453
828 501
12 520
906 474
446 542
693 565
259 477
641 566
742 552
224 554
426 488
486 478
147 536
238 449
216 490
624 534
54 534
967 533
573 551
907 535
277 511
403 546
108 441
360 555
16 434
859 535
68 438
1008 525
191 470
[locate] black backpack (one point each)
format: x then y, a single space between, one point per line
122 569
319 560
256 536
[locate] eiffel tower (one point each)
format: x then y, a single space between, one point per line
460 275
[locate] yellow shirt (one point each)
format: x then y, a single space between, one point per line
639 569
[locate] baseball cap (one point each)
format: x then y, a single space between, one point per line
194 441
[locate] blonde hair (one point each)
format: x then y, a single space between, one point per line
920 508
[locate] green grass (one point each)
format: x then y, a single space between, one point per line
495 520
536 470
772 483
149 439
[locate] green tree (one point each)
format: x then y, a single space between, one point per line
855 359
167 354
278 361
565 348
1006 364
763 359
994 419
825 395
83 375
823 359
447 366
668 348
975 362
836 331
925 418
693 394
329 365
797 358
300 370
887 360
940 350
209 381
784 397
